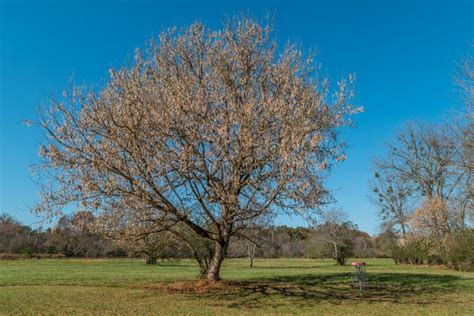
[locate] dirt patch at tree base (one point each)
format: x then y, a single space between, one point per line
198 287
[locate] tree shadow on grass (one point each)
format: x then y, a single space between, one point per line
311 289
293 267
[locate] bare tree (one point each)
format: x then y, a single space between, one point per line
461 131
153 246
337 232
394 196
425 181
465 80
208 129
73 237
426 159
252 236
423 156
364 246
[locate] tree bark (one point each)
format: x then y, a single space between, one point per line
151 260
336 255
404 235
251 253
214 267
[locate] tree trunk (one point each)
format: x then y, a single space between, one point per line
150 259
341 260
336 255
214 267
251 247
404 235
339 255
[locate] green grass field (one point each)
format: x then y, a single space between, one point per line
273 286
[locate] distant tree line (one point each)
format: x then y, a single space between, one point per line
66 239
330 239
73 237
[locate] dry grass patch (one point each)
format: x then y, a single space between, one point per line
193 287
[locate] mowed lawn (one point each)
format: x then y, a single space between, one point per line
273 286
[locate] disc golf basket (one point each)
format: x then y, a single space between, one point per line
360 275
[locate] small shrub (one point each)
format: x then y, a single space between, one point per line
461 252
413 252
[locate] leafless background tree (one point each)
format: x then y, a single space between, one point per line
425 184
335 231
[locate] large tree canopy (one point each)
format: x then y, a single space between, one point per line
207 129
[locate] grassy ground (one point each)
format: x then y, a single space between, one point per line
273 286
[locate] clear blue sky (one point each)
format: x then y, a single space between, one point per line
404 55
